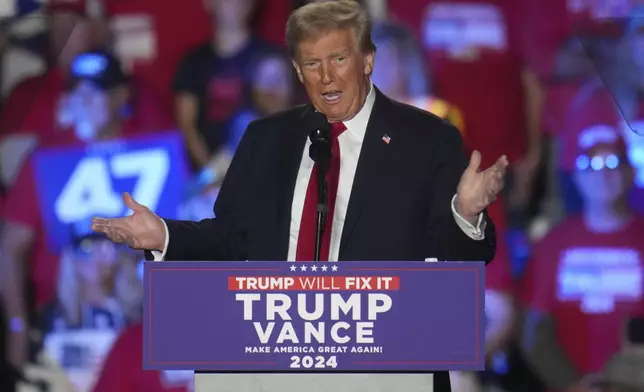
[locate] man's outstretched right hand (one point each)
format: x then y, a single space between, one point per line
142 230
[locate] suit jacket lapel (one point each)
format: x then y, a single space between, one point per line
374 153
291 145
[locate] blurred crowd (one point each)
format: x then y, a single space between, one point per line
100 97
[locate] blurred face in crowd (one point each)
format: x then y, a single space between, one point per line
96 261
69 36
90 106
128 287
231 12
335 73
272 85
389 71
603 175
93 109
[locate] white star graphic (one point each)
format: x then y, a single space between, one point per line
334 268
314 268
303 268
293 268
324 268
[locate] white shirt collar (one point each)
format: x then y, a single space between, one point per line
357 126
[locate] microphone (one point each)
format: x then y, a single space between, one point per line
320 153
320 136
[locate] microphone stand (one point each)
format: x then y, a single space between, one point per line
322 208
320 153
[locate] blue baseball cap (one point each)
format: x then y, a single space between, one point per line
98 67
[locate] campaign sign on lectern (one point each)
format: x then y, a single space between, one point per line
314 317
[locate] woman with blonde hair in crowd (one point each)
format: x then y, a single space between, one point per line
401 73
99 294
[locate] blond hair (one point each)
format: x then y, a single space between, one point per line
323 16
411 55
69 287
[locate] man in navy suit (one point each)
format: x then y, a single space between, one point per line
403 191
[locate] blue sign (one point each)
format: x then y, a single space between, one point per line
258 316
77 183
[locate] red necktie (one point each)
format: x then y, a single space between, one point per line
306 238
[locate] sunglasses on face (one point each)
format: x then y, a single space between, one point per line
598 163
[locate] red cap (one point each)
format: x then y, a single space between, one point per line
591 115
601 137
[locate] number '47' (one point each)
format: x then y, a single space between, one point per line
89 190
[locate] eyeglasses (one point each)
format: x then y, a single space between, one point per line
597 163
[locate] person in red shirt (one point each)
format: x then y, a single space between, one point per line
69 33
586 276
151 36
613 97
123 372
29 114
401 72
572 48
595 103
476 53
587 105
96 108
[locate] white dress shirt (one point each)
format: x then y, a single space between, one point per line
350 145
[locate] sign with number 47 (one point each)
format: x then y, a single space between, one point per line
77 183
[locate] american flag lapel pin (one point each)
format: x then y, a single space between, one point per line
386 138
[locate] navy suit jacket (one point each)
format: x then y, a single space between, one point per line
399 209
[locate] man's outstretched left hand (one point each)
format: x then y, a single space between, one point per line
478 188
